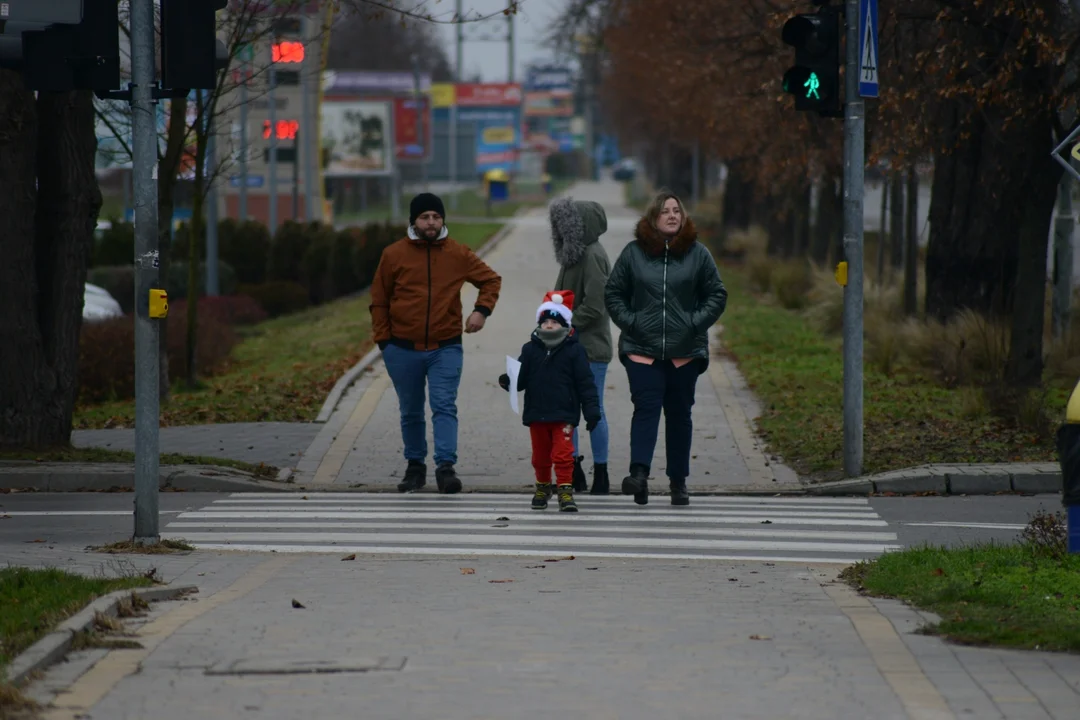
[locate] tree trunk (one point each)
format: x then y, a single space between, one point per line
46 237
829 217
979 192
168 167
738 197
195 243
896 221
911 245
802 222
882 241
1024 368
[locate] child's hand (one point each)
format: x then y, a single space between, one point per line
504 382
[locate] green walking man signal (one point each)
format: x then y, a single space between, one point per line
814 79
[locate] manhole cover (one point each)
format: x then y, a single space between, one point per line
290 666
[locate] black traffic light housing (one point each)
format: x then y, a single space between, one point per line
191 54
86 56
814 80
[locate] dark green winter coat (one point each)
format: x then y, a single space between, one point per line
576 227
665 295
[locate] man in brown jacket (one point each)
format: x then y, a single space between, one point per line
416 319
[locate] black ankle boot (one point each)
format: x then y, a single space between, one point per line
581 484
637 484
679 494
601 485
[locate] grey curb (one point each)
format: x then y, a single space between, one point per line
350 376
54 646
986 479
74 477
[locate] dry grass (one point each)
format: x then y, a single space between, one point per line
130 547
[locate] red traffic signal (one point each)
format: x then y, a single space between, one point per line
287 51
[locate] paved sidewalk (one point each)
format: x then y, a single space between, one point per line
534 638
362 446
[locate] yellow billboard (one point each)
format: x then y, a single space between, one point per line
442 95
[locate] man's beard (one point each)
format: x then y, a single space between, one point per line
430 233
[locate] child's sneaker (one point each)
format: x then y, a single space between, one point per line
566 499
540 498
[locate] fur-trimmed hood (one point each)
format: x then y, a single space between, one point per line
574 226
651 240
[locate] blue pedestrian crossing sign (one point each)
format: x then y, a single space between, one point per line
868 48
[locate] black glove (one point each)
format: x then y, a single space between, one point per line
504 382
590 425
383 344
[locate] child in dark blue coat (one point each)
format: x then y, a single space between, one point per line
559 387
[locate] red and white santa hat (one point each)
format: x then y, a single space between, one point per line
559 303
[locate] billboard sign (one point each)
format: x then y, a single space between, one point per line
355 82
408 145
548 78
357 134
489 95
549 104
498 136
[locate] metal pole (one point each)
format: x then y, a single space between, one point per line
308 125
272 219
421 138
296 177
510 44
854 166
147 331
242 209
452 158
210 168
1063 258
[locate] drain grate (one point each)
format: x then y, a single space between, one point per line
292 666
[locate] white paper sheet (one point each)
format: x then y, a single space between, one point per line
513 367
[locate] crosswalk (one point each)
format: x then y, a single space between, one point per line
776 529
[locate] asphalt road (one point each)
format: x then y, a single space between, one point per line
80 519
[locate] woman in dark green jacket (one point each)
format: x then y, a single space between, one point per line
664 293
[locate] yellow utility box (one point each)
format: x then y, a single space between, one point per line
159 303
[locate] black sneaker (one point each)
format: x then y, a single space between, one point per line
581 483
415 477
540 498
447 480
566 499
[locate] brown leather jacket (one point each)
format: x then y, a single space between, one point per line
416 293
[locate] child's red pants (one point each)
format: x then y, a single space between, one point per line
553 444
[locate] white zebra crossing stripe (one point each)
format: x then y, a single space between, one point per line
776 529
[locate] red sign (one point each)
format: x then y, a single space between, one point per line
408 144
287 51
489 94
286 129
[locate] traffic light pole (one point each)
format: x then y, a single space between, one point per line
854 164
144 163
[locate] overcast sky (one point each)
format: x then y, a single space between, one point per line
489 58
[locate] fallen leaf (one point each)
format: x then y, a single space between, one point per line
500 581
568 557
349 557
733 579
766 522
468 571
297 604
551 591
938 572
595 568
760 637
502 519
501 525
34 541
533 567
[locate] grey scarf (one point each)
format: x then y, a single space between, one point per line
552 338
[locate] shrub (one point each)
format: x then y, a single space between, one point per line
178 279
245 246
118 280
116 245
315 266
230 310
278 297
107 353
343 270
791 283
287 252
374 239
760 270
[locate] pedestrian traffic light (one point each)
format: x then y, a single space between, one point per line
62 45
191 53
814 80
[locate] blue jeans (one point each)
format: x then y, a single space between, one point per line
598 438
440 370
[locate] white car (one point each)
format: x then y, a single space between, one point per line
98 304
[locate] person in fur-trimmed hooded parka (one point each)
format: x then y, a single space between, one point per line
576 227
